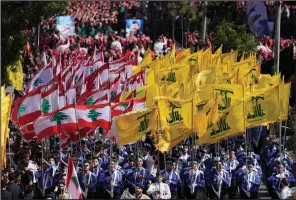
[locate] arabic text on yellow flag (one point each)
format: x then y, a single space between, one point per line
207 116
15 75
285 90
172 75
262 107
175 116
230 123
183 54
193 61
143 121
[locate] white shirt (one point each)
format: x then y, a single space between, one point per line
33 167
163 188
286 192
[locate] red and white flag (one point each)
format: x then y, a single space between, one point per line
60 121
29 108
72 183
43 77
139 104
94 116
122 108
50 100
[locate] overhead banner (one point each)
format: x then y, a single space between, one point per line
65 25
134 26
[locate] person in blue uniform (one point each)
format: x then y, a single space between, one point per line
104 158
100 177
87 181
219 180
128 168
249 183
184 157
140 174
231 166
274 181
194 182
114 181
172 178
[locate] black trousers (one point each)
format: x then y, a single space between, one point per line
232 189
117 195
91 195
253 195
223 194
175 194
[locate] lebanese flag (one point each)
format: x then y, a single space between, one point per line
122 108
50 100
115 88
43 77
104 75
94 116
29 108
28 132
72 183
43 60
139 104
128 69
70 95
98 55
116 64
91 98
60 121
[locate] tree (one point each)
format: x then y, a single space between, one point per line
59 117
16 17
93 115
235 37
21 110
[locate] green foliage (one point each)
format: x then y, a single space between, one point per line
183 8
14 18
235 37
90 101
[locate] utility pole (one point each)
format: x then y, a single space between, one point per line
204 23
277 58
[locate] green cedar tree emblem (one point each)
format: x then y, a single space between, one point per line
21 109
90 101
59 117
93 115
45 106
37 82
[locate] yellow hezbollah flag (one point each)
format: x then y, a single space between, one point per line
5 114
206 77
266 81
262 107
248 75
3 92
183 54
243 63
192 60
132 126
172 75
15 75
150 77
230 123
147 57
207 116
206 59
169 60
148 66
226 95
151 92
285 90
216 57
234 56
175 116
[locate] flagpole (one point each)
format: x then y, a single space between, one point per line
42 157
194 136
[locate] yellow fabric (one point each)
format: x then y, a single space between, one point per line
150 77
173 74
151 92
207 116
183 54
206 59
216 57
175 117
3 94
206 77
234 57
262 107
143 121
266 81
168 60
15 75
230 123
5 115
249 76
192 60
285 90
147 57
